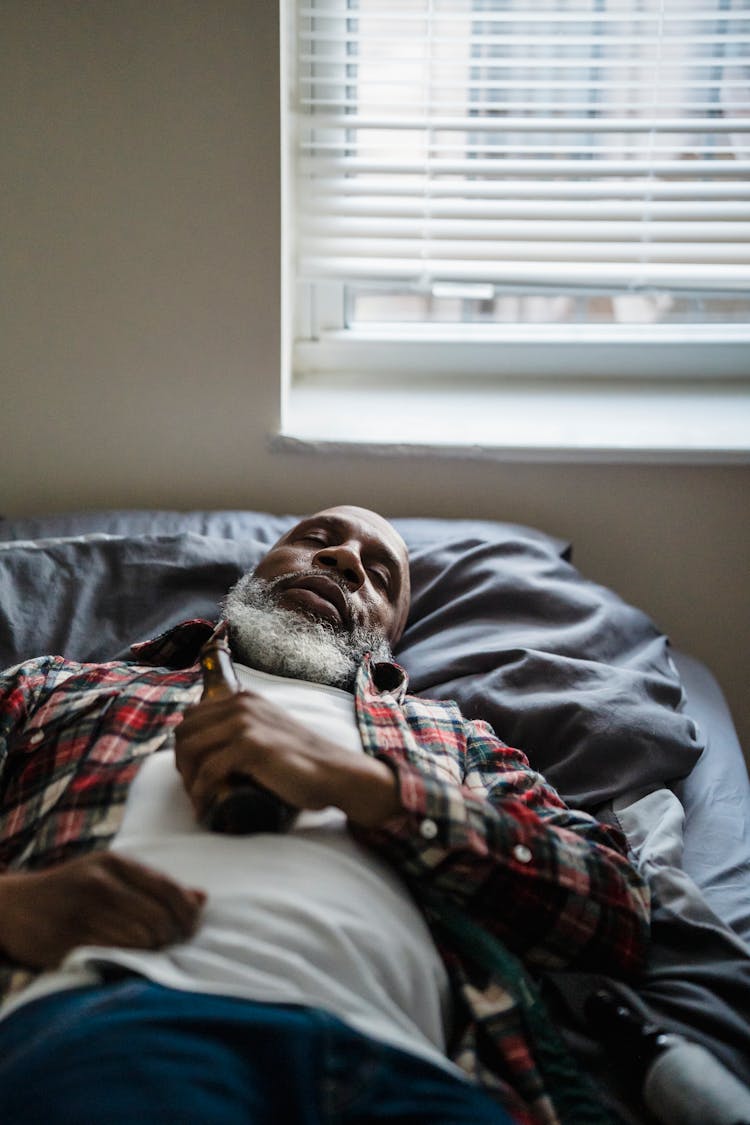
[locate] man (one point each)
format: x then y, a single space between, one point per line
314 976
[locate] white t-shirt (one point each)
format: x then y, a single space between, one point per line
307 917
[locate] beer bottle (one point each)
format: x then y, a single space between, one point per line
242 806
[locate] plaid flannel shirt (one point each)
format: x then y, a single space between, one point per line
478 827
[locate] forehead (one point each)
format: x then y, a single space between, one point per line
369 528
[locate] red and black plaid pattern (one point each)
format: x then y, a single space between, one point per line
478 827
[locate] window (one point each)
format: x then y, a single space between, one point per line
497 188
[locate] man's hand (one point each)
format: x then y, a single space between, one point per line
98 899
246 734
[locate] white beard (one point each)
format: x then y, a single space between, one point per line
287 642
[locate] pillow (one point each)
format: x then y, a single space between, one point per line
261 526
561 667
90 597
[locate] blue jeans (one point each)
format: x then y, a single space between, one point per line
134 1053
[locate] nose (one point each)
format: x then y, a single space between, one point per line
343 558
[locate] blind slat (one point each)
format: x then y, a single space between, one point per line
519 250
480 210
538 106
376 82
509 188
634 277
541 167
400 13
613 39
528 230
508 124
644 151
609 56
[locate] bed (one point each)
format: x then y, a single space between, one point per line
502 622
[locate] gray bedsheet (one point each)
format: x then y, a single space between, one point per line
716 799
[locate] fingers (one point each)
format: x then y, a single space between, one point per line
210 711
173 910
120 902
218 771
193 748
250 736
213 726
102 899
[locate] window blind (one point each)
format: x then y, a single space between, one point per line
576 146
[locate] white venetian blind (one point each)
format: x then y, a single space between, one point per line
497 146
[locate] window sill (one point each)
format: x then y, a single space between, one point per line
669 423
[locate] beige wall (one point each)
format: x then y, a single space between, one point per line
139 339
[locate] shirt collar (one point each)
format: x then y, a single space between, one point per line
179 646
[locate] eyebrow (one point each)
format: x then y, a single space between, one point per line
380 552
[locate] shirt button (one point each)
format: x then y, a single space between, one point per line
522 853
428 829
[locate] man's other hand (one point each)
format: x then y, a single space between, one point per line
98 899
247 735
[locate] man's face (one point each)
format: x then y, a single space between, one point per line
345 566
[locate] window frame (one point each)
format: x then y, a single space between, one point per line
322 356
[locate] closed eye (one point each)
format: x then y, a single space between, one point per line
380 576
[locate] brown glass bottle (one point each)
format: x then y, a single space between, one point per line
242 806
